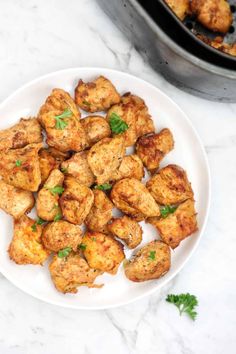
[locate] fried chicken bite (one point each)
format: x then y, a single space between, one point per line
151 262
100 213
218 43
152 148
127 229
105 157
71 272
178 225
95 96
76 201
47 201
170 186
78 167
130 167
15 201
26 246
133 110
61 120
213 14
96 128
20 167
179 7
26 132
132 198
103 252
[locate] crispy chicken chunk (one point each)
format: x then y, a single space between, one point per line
105 157
132 197
170 185
177 226
71 272
20 167
96 128
95 96
152 148
103 252
26 132
100 213
213 14
133 110
76 201
179 7
47 202
26 246
127 230
151 262
130 167
61 120
61 234
15 201
50 159
78 167
218 43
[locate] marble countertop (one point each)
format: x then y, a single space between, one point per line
40 37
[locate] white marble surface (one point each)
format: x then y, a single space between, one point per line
42 36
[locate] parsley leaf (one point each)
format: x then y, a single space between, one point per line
55 190
166 210
82 246
117 125
104 187
152 255
57 217
64 170
65 252
60 122
86 103
34 227
18 163
39 221
185 303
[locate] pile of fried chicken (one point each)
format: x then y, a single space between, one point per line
81 176
215 15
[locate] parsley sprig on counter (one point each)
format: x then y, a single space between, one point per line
185 303
117 124
60 122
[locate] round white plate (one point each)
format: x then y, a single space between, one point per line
188 153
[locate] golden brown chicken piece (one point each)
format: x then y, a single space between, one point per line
96 128
105 157
151 262
26 132
178 225
127 230
61 234
15 201
132 197
26 246
61 120
78 167
213 14
47 201
50 159
100 213
170 186
71 272
152 148
218 43
95 96
133 110
20 167
103 252
76 201
179 7
130 167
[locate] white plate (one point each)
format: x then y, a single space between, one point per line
188 153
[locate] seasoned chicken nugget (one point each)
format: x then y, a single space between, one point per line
100 213
78 167
95 96
170 185
96 128
103 252
76 201
26 132
20 167
132 197
105 157
47 202
61 120
218 43
213 14
180 7
71 272
151 262
133 110
127 230
152 148
61 234
130 167
178 225
50 159
15 201
26 246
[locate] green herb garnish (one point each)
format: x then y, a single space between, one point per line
117 125
65 252
39 221
104 187
18 163
34 227
55 190
166 210
152 255
86 103
57 217
64 170
82 246
60 122
185 303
